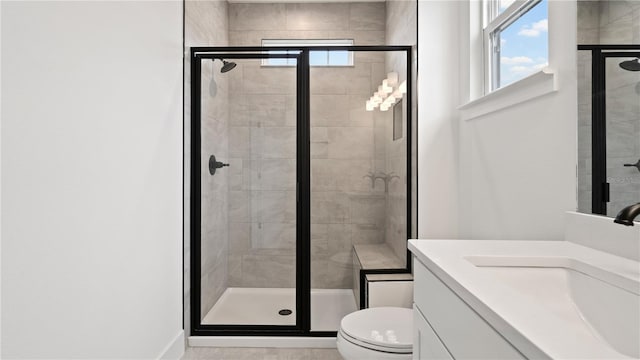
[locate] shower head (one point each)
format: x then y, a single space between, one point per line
227 66
631 65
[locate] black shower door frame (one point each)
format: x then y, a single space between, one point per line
600 193
303 183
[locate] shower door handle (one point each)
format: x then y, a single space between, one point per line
636 165
214 165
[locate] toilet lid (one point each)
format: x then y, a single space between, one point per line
383 327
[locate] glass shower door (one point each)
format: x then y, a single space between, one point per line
303 171
359 176
247 191
622 81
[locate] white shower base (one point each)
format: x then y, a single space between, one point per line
260 306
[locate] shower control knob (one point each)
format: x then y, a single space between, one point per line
215 164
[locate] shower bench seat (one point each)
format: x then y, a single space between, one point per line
377 272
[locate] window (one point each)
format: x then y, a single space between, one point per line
516 42
316 57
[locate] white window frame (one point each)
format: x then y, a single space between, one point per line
494 22
308 43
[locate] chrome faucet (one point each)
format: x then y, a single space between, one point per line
373 176
387 179
626 215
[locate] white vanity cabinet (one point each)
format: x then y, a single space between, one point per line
526 299
449 327
426 344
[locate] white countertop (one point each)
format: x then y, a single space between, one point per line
527 325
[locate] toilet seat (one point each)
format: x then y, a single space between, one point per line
373 347
383 329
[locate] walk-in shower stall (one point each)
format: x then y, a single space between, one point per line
609 128
298 153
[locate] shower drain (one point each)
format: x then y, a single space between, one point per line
285 312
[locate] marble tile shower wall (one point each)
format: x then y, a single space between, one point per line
262 188
345 146
610 22
206 24
401 29
214 195
250 23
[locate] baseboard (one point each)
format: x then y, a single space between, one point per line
175 349
262 341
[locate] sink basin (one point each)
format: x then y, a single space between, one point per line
593 301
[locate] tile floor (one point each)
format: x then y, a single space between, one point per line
211 353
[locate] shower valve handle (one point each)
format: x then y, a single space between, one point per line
215 164
636 165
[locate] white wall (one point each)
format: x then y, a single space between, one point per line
509 174
518 164
438 71
91 179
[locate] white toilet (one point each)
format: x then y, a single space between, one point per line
376 334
